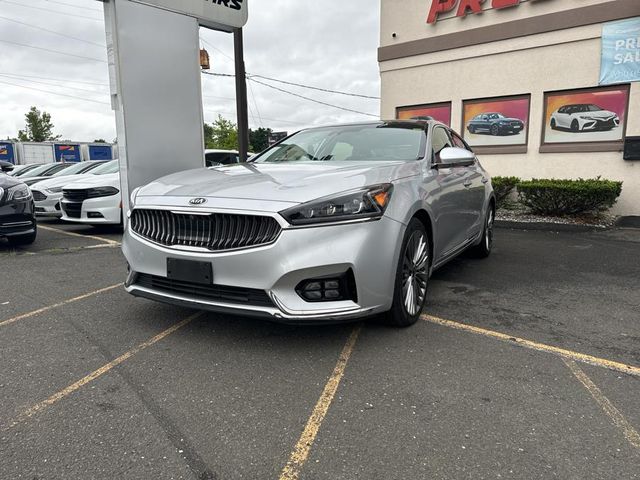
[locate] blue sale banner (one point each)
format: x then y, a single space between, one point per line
620 52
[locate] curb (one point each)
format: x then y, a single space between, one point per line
549 226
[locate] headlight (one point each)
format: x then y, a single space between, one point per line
585 117
368 202
132 199
18 193
103 192
53 190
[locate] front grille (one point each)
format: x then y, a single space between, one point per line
38 196
216 293
73 210
75 195
606 123
215 232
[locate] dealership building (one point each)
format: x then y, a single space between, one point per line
539 88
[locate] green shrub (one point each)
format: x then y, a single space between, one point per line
502 187
568 197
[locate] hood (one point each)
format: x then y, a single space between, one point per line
61 181
91 181
599 114
510 119
7 182
284 182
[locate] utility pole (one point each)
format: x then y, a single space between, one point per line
241 95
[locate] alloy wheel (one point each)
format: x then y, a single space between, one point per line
415 273
488 231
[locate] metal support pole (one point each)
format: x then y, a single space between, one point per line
241 95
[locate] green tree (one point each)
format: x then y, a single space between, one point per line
259 139
38 128
222 134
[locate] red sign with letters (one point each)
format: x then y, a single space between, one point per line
465 6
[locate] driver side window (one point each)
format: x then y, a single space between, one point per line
440 140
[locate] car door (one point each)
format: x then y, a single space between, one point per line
564 117
475 181
445 192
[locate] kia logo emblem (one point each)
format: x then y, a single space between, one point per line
198 201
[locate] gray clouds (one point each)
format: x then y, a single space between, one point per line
330 44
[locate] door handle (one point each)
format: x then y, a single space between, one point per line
468 183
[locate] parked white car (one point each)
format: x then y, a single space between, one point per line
584 117
93 201
48 193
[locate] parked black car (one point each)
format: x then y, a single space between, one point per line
17 211
495 124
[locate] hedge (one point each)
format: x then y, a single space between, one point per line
502 187
568 197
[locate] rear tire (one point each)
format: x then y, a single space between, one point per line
483 249
412 277
553 124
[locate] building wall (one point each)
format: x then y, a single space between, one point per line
534 64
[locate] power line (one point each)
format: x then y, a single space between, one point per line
51 84
53 11
53 51
53 32
55 93
315 88
75 6
52 79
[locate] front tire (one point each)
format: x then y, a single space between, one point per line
483 249
21 240
412 277
554 126
575 126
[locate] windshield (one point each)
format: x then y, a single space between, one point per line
353 143
72 170
36 172
593 108
494 116
109 167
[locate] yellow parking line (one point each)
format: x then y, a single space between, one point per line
73 234
51 307
301 451
540 347
630 433
56 397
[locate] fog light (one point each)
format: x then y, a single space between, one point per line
95 215
329 289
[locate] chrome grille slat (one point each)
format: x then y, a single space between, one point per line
215 232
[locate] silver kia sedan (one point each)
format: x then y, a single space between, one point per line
331 224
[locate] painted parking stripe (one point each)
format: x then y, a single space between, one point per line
61 304
56 397
301 451
540 347
79 235
630 433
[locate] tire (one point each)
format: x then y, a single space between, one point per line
575 126
495 130
27 239
483 249
414 259
472 129
553 124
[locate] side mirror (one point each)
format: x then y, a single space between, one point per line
6 167
455 157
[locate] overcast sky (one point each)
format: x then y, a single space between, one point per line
330 44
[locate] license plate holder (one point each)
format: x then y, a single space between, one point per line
189 271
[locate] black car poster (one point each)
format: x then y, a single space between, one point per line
502 121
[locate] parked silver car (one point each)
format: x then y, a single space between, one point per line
331 224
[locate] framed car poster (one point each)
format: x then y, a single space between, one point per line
438 111
585 117
496 125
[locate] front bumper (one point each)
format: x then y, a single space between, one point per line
17 219
108 210
49 207
369 249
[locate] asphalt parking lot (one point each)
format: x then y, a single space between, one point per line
525 366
